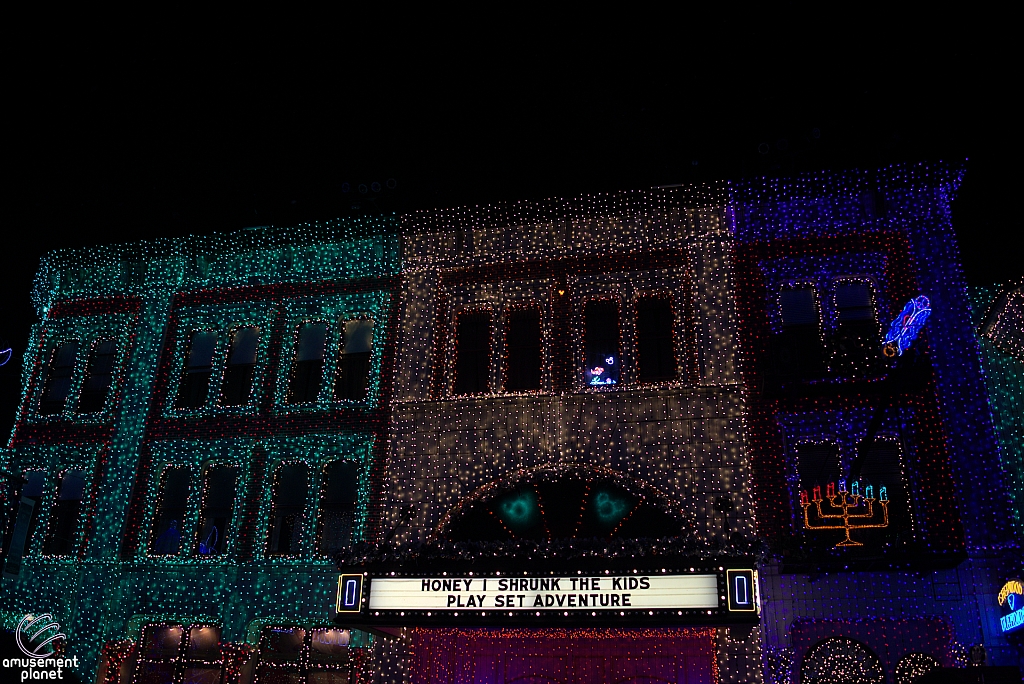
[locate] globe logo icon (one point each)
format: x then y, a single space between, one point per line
36 635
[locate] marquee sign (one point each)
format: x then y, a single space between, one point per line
1011 604
705 593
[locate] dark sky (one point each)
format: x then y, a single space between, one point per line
115 143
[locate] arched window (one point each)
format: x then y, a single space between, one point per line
168 520
601 339
354 363
797 351
337 506
64 517
841 661
913 666
308 365
857 340
195 376
288 509
522 350
241 366
217 507
99 373
18 543
58 379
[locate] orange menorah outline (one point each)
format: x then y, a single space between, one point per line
847 501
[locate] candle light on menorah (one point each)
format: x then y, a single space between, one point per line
843 503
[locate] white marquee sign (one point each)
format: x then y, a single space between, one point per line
629 592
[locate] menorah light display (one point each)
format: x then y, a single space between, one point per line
844 502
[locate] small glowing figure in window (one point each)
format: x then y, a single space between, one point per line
599 375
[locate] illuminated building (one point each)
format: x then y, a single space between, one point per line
573 440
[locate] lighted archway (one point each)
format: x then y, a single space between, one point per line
839 660
562 502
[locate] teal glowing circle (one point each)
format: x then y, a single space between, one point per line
519 510
608 508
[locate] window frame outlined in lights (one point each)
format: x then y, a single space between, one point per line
339 607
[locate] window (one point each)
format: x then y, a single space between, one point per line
354 363
522 344
99 373
294 654
882 466
66 512
288 509
818 465
241 367
656 357
472 352
857 338
797 351
308 367
195 376
601 339
19 542
217 507
337 507
58 379
174 654
172 499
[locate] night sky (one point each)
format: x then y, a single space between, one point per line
116 143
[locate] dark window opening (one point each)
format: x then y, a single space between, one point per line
217 507
177 653
288 510
195 376
601 335
294 654
337 507
354 363
655 353
58 379
172 499
798 351
522 340
857 339
241 366
882 467
308 367
472 352
99 374
65 515
817 466
17 543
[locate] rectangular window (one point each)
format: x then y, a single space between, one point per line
217 507
656 359
857 340
171 503
17 545
798 351
337 507
882 467
195 376
180 653
99 374
288 510
354 364
293 654
522 342
58 379
817 466
241 366
601 340
65 515
308 367
472 352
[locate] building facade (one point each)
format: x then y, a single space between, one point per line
305 454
